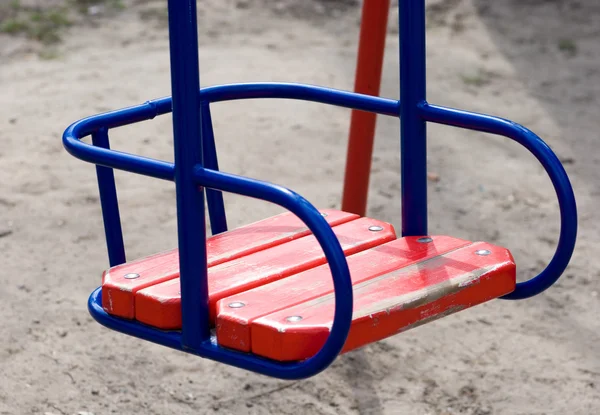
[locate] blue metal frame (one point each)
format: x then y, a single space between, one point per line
216 205
110 205
413 129
196 168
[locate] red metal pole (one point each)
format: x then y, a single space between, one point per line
371 47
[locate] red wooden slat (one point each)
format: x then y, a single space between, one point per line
159 305
391 303
233 324
118 291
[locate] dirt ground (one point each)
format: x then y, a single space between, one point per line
534 61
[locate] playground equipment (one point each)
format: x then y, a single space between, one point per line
369 66
261 297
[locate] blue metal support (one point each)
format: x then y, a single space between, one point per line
109 204
214 198
413 141
196 169
191 227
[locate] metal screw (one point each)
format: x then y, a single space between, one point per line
375 228
324 214
483 252
236 304
131 276
294 319
425 240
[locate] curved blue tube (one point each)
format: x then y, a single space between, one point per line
331 247
295 91
112 158
170 339
554 168
166 171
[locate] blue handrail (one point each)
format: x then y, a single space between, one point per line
213 94
555 170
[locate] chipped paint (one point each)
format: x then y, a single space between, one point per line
432 318
110 302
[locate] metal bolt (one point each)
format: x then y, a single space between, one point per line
483 252
236 304
425 240
375 228
294 319
131 276
324 214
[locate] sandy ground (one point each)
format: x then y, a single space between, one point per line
537 62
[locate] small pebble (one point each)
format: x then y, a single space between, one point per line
433 177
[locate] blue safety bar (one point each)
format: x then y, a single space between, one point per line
195 172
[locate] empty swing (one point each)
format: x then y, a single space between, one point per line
286 295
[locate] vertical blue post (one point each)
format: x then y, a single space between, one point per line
110 204
413 140
214 198
191 228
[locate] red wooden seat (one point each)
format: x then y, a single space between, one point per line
233 323
120 283
448 278
160 304
271 292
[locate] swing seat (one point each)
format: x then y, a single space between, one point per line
120 284
271 292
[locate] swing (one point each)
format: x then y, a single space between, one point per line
286 295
